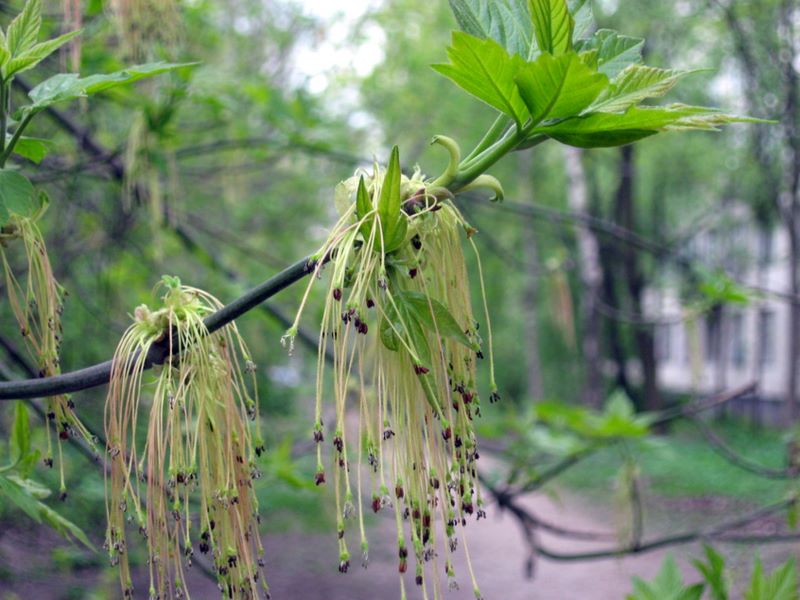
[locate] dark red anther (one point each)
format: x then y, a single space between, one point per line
376 504
458 441
319 478
319 437
467 397
337 294
426 520
412 273
338 443
370 303
420 370
416 242
418 579
399 492
447 434
468 508
403 565
63 434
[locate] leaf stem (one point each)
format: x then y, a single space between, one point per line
3 114
14 139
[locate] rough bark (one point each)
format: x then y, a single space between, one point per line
644 340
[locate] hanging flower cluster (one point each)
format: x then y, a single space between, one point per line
37 304
197 465
399 325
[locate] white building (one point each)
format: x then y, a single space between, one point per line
736 344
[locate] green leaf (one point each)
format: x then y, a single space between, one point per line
389 335
558 87
16 194
64 526
667 585
599 130
519 37
581 11
553 25
399 233
21 434
24 29
389 199
486 70
69 86
781 584
615 52
477 18
33 56
19 497
713 571
435 316
363 208
34 149
635 84
417 339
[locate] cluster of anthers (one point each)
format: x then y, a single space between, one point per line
37 304
397 272
198 462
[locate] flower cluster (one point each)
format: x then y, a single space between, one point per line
398 322
37 304
198 462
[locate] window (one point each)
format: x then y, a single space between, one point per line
765 246
738 342
664 342
766 337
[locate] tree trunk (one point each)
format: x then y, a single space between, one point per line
531 289
635 282
591 275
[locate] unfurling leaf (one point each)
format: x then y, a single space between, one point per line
389 199
34 55
553 25
599 130
615 52
558 87
24 29
635 84
487 71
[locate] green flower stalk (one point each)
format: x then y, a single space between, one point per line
399 324
37 304
197 465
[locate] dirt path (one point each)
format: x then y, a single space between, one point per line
303 566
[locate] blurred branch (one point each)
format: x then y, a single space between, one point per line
716 533
723 449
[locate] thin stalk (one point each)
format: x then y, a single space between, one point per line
3 114
5 154
492 135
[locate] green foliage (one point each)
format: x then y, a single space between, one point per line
558 87
485 70
586 100
17 195
553 25
65 87
713 571
781 584
667 585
